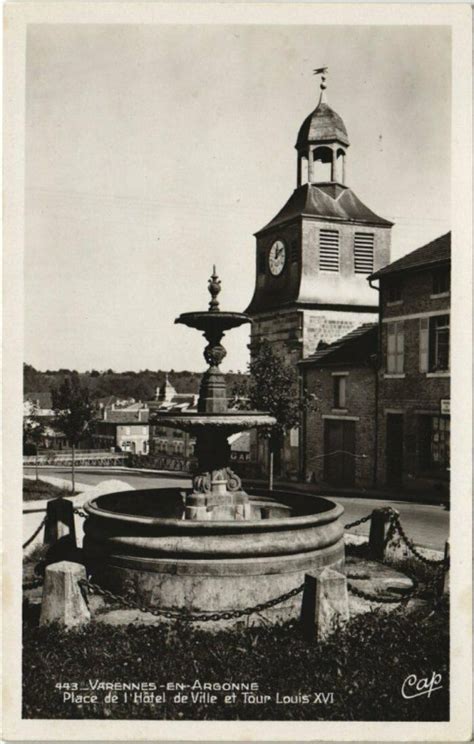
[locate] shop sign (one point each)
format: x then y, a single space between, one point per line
445 406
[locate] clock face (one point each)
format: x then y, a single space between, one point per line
277 257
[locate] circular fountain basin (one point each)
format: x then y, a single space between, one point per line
138 542
207 320
228 422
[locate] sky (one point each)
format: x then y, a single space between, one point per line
154 152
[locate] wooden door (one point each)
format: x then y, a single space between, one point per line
339 451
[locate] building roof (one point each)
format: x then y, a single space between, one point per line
128 417
328 201
322 125
354 349
42 400
436 252
240 442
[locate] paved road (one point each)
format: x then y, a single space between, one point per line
427 525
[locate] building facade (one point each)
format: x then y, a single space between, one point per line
123 429
338 431
313 257
414 377
167 441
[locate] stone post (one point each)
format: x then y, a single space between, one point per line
378 534
59 522
325 602
63 601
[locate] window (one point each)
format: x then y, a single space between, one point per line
441 281
439 343
262 262
294 251
434 344
363 253
394 291
434 442
339 388
294 436
395 348
329 250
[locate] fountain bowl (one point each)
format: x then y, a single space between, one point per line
138 543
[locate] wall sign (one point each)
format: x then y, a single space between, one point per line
445 406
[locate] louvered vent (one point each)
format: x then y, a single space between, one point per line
363 253
329 250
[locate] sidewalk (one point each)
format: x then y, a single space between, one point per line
435 499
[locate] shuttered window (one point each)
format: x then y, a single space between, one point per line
363 253
424 344
329 250
395 348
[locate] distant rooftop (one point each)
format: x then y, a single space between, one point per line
436 252
122 416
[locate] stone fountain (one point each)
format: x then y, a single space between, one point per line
217 490
214 547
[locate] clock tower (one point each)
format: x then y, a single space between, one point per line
314 256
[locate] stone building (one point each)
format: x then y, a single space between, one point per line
123 429
413 424
166 441
313 257
338 432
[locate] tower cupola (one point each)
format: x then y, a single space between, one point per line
322 143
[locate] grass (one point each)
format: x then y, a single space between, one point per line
38 490
364 664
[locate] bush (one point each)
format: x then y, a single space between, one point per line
37 490
364 665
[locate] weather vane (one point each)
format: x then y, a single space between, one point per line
323 72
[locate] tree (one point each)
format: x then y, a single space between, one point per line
33 432
273 386
73 412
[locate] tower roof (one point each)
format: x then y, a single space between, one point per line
322 125
327 202
166 391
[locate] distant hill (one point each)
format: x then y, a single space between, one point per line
139 385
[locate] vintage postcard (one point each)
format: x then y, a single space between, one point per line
237 372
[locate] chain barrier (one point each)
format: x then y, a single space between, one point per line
193 617
171 613
35 533
358 522
397 527
383 599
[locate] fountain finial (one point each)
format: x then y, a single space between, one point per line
214 288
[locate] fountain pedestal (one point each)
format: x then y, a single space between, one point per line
217 490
